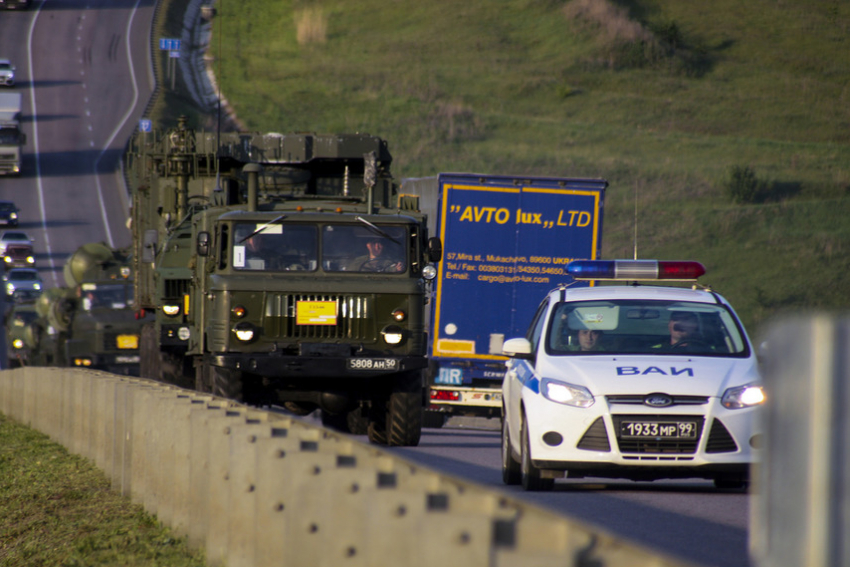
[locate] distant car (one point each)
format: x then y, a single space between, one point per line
9 213
21 280
13 236
7 73
19 256
641 382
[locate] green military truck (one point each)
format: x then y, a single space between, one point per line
92 321
17 320
284 270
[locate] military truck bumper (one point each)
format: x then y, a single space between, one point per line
273 365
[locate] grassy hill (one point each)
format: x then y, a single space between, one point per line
723 127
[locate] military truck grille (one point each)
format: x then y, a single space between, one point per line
110 341
655 444
355 318
176 288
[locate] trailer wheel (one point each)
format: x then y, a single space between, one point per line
404 415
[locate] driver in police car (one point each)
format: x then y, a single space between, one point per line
683 326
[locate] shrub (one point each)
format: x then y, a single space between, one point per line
743 186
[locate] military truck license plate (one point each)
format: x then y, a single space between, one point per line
372 364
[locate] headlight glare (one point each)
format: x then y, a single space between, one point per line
244 331
567 394
744 396
171 310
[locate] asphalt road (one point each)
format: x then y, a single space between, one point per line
84 70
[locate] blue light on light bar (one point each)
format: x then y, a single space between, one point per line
634 270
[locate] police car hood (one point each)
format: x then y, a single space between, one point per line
681 375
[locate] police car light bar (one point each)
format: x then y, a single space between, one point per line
634 270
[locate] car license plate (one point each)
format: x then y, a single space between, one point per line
662 429
372 364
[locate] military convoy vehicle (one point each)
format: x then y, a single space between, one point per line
18 320
89 323
283 270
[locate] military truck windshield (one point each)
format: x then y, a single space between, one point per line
275 247
355 248
107 296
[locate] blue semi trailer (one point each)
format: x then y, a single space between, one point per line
506 243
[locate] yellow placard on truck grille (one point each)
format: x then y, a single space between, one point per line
127 341
315 313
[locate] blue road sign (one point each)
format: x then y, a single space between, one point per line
145 125
169 44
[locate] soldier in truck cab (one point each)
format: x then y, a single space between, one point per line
379 258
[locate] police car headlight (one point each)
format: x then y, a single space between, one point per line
567 394
244 332
171 310
37 286
743 397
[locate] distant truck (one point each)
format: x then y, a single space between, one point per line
506 243
12 138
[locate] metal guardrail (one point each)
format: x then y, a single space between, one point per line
256 488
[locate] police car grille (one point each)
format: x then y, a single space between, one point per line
355 318
595 438
638 399
719 439
655 445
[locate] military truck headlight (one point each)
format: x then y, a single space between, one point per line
238 311
82 362
429 272
393 334
244 331
18 343
399 315
171 310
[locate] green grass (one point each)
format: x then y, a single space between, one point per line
662 98
57 509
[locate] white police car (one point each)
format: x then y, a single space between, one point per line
640 382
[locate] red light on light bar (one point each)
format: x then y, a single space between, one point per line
680 270
445 395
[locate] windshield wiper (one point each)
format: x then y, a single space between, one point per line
377 230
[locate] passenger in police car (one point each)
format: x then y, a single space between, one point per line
588 340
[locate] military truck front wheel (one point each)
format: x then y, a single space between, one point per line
397 420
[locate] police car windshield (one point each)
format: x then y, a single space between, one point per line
644 327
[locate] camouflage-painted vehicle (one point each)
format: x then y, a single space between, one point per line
286 270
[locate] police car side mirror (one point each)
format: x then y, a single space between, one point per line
517 348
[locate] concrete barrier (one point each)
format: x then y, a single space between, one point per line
255 488
801 503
